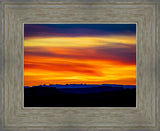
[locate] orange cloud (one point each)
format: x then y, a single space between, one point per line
90 60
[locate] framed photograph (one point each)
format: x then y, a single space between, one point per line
80 65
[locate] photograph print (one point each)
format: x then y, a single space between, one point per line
79 65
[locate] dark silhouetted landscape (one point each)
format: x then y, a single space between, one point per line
80 95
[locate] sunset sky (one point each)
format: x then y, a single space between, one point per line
79 54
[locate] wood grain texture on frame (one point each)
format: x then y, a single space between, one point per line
15 116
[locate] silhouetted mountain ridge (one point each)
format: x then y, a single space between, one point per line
77 88
83 86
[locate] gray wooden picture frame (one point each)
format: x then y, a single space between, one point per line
144 116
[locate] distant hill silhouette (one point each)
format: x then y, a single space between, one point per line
79 96
83 85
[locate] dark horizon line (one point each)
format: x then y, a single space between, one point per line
78 84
